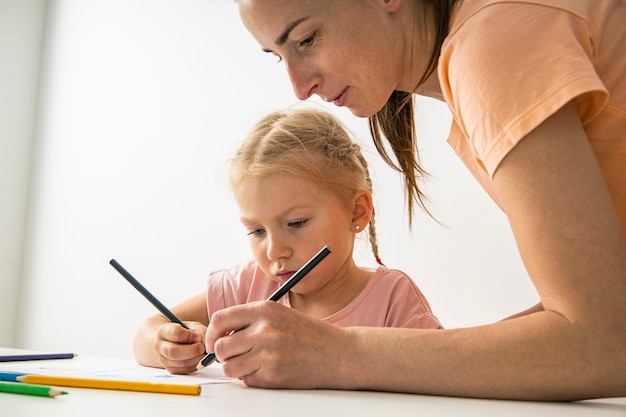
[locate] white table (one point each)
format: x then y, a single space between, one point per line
235 399
232 398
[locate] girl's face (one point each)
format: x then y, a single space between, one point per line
349 52
288 220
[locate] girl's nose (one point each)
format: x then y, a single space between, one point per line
277 248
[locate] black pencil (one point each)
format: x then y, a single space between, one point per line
155 302
280 292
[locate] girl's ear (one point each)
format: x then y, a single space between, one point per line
362 209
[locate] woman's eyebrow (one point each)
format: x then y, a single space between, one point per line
285 35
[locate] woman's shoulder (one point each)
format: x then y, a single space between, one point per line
477 9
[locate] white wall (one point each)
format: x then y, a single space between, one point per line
21 34
142 102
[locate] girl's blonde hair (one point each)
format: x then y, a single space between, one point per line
308 143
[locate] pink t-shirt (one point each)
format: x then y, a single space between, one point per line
390 298
506 66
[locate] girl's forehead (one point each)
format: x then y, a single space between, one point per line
283 190
278 195
280 181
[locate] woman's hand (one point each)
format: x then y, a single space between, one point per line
275 346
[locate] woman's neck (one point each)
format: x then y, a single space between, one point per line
420 29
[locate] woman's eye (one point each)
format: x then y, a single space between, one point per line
307 42
298 223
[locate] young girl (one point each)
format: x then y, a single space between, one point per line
300 183
537 93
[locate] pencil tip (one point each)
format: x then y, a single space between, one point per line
199 366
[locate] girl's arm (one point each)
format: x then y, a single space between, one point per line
572 348
162 344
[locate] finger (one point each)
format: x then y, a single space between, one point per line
233 345
178 368
176 333
244 351
199 329
223 322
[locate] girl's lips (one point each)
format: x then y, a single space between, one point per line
284 276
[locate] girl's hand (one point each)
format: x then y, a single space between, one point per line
179 349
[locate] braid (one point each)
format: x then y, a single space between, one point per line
372 224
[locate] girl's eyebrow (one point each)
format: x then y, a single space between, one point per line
283 213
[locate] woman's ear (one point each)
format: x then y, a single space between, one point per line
391 5
362 209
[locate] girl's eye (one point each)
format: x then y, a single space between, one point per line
298 223
256 232
280 58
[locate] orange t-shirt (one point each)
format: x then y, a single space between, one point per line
506 66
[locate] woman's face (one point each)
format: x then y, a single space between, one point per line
349 52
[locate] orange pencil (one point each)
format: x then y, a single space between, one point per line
111 384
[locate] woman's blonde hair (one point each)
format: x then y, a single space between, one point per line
308 143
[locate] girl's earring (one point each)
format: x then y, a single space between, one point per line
357 227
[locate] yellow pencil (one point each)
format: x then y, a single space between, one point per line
111 384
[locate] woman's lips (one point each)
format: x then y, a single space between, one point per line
340 100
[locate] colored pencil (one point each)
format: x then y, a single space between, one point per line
10 376
111 384
30 389
35 356
280 292
147 294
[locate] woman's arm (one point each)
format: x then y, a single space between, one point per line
572 348
534 309
162 344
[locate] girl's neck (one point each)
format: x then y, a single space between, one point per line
342 290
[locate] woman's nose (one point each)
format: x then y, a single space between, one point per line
303 80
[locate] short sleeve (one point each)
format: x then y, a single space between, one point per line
507 67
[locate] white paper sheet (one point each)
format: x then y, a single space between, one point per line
115 369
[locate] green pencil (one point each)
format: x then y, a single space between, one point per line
30 389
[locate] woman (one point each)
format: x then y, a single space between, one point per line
538 98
